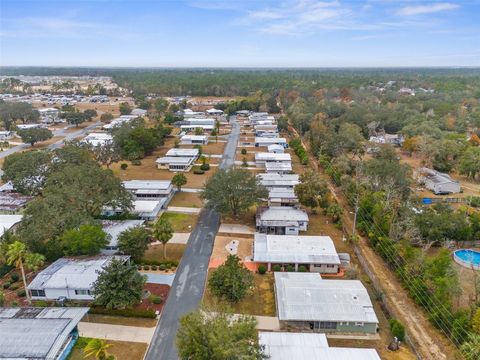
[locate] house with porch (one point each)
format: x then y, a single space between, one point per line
279 220
178 159
282 197
150 189
262 158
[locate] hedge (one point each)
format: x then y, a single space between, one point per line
124 312
165 263
297 146
198 172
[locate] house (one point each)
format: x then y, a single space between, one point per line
406 91
189 113
7 222
281 220
306 301
98 139
139 112
29 126
261 158
193 127
282 197
119 121
437 182
316 253
266 141
178 159
150 189
194 140
277 149
70 278
278 167
113 228
6 135
312 346
39 333
49 115
275 180
195 121
243 113
392 139
215 112
259 129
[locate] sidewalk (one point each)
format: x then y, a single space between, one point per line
191 190
116 332
184 210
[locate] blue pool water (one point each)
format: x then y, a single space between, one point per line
469 256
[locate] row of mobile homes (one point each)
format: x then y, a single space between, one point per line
280 220
178 159
194 140
70 278
315 253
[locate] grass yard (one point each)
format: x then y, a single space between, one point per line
155 252
122 350
260 302
119 320
181 222
186 199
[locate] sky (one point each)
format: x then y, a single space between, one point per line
239 33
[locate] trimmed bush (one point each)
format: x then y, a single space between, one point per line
21 293
277 268
198 172
244 151
162 266
156 299
397 329
262 269
146 267
123 166
15 277
14 287
139 267
302 268
166 263
7 284
154 267
205 167
136 162
290 268
40 303
124 312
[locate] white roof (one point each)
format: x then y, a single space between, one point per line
7 222
74 273
295 249
300 346
275 147
282 193
266 156
133 185
283 214
214 111
194 137
270 140
138 112
115 227
278 180
147 206
306 297
181 152
98 139
194 126
278 166
175 160
47 110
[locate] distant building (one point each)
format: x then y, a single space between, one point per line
98 139
392 139
139 112
30 126
194 140
6 135
216 112
262 158
266 141
305 301
49 115
150 189
39 333
316 253
301 346
277 149
70 278
12 202
193 127
278 167
437 182
119 121
281 220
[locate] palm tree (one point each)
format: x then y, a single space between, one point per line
97 348
21 258
163 232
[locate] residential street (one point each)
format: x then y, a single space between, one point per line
188 287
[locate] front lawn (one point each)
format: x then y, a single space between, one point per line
155 252
181 222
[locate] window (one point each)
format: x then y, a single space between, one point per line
359 324
330 265
326 325
38 293
82 292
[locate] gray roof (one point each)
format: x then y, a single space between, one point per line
282 214
115 227
73 273
278 180
305 296
176 152
36 333
300 346
273 140
282 193
147 184
294 249
175 160
266 156
278 166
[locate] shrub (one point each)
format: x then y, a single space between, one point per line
14 287
154 267
262 269
15 303
123 166
146 267
205 167
474 201
290 268
277 268
397 329
198 172
302 268
40 303
124 312
21 293
166 263
244 151
155 299
5 269
162 266
7 284
139 267
15 277
136 162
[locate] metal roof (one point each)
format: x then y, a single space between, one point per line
278 166
282 193
138 185
305 296
36 333
270 140
175 160
176 152
266 156
294 249
73 273
281 214
278 180
300 346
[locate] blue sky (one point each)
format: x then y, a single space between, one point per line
243 33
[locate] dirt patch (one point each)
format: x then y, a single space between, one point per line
155 252
186 199
244 247
122 350
159 290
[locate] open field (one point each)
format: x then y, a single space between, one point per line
181 222
119 320
260 302
122 350
155 252
186 199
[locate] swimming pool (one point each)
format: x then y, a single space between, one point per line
468 258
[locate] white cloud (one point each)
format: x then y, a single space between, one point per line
426 9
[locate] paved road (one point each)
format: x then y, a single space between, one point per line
189 283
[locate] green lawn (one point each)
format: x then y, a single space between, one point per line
119 320
181 222
261 301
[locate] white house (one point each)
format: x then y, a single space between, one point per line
139 112
70 278
266 141
49 115
215 112
193 127
194 140
306 301
275 180
98 139
29 126
119 121
6 135
150 189
437 182
282 197
261 158
195 121
277 149
177 159
278 167
281 220
113 228
316 253
311 346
